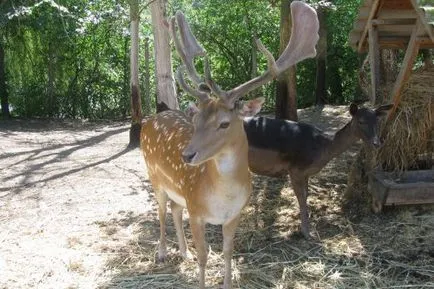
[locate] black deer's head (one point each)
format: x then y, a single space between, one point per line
365 122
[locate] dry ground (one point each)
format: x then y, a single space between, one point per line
76 211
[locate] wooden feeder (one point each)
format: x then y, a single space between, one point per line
395 24
404 24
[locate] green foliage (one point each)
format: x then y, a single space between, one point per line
70 58
68 61
342 61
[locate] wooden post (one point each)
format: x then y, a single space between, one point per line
371 15
404 73
374 59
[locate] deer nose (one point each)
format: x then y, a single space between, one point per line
376 142
188 157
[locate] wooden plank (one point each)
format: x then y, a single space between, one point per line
410 187
374 59
425 42
396 14
394 21
370 17
401 29
395 42
423 195
397 4
402 42
404 73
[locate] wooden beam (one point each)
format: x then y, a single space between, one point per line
396 14
400 29
404 73
379 21
395 42
396 5
374 60
403 41
370 17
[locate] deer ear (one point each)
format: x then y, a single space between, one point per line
353 109
191 109
251 107
381 110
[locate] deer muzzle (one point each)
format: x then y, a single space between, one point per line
376 142
188 156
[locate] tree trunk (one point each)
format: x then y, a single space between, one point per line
3 88
147 77
166 94
51 77
136 105
126 97
286 93
321 60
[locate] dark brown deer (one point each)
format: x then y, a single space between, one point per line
203 165
281 147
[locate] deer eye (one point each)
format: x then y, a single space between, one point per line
224 124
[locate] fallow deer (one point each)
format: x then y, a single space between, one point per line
280 147
203 165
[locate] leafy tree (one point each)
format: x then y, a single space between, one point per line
4 97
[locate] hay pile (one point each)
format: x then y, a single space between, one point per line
409 134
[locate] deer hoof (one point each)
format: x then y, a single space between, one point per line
187 255
162 255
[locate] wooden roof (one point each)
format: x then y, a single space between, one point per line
395 21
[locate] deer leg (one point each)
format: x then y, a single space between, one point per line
177 219
162 209
198 231
228 247
300 189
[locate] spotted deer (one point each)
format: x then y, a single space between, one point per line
202 164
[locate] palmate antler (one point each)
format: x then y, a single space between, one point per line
304 36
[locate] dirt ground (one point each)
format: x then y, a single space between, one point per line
77 211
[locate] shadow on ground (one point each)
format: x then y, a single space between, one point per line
34 165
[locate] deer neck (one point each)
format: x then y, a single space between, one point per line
341 141
231 164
